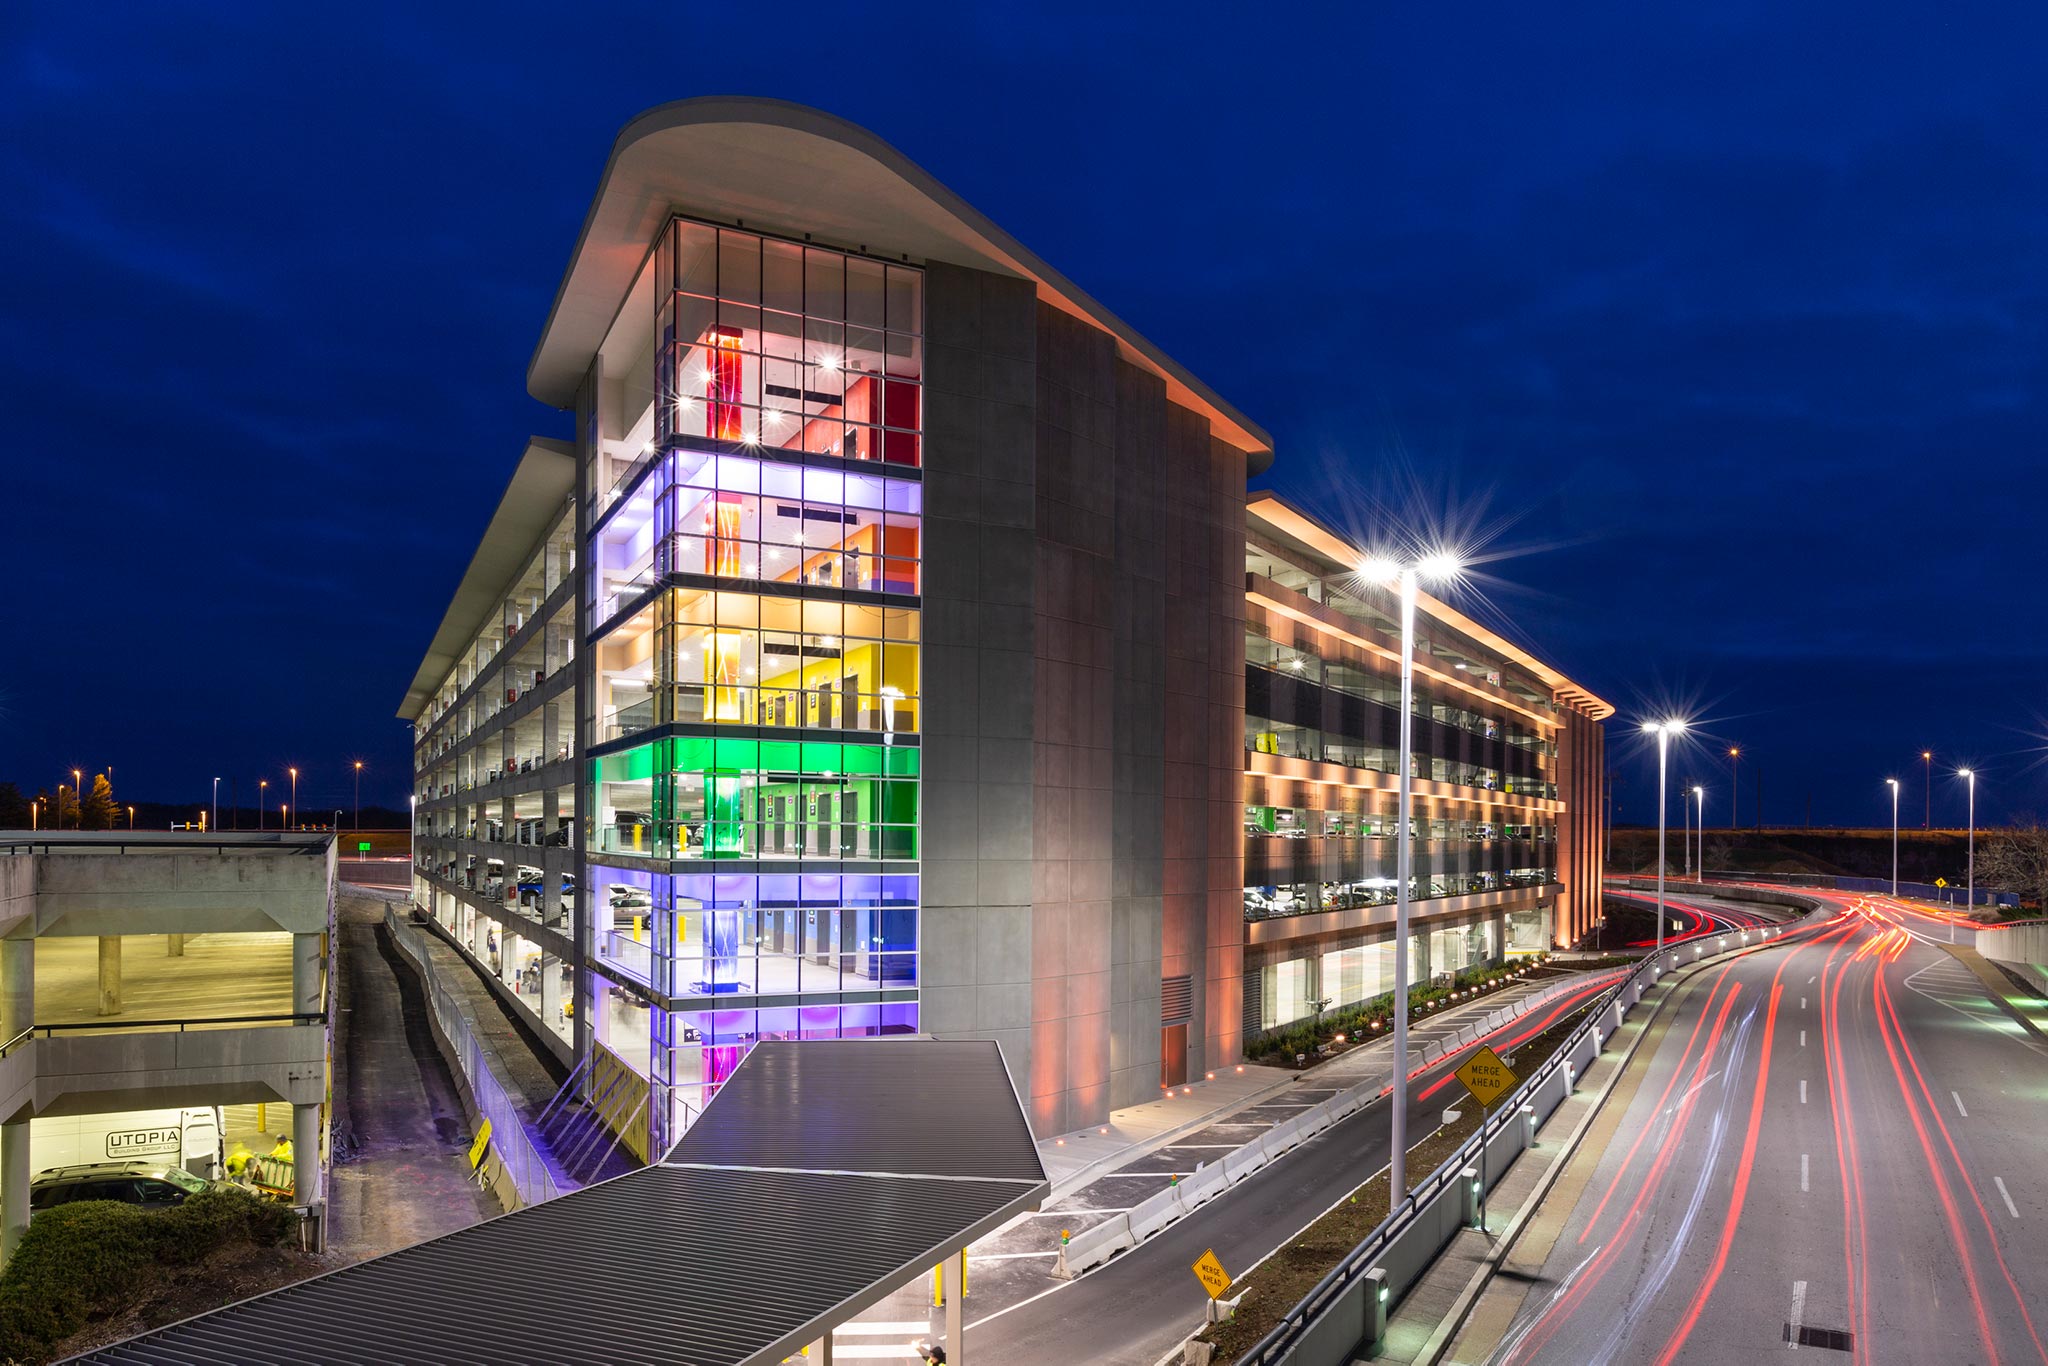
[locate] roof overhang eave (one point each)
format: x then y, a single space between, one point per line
743 159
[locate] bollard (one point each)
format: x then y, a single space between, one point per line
1468 1202
1528 1127
1375 1309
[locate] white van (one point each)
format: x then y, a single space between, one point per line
189 1138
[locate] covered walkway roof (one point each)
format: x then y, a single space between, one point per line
823 1176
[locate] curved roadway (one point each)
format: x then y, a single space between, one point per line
1835 1145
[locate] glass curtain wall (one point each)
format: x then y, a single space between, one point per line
755 561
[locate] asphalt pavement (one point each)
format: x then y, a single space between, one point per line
1137 1307
1832 1146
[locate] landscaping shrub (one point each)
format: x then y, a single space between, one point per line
84 1260
1360 1018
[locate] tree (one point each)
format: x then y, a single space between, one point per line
14 813
61 811
2015 859
99 810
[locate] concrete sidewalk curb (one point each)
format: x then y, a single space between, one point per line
1994 982
1115 1162
1100 1244
1438 1343
1111 1164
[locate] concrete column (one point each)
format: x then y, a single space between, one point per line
480 941
956 1272
14 1179
17 986
820 1351
110 974
550 989
174 945
306 974
306 1184
508 961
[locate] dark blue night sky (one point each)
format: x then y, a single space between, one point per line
1727 320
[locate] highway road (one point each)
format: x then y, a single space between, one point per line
1835 1145
1137 1307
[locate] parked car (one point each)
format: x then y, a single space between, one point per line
150 1185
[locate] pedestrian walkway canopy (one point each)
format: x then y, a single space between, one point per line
824 1175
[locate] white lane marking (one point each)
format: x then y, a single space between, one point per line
2006 1195
886 1327
1802 1171
1809 981
1959 1105
1798 1314
1802 1038
1802 1003
853 1352
1802 1090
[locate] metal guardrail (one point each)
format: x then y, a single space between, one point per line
303 844
510 1138
117 1024
1096 1245
1279 1344
1924 891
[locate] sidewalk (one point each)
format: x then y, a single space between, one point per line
1101 1172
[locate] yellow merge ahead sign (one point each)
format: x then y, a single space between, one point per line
1211 1274
483 1140
1487 1077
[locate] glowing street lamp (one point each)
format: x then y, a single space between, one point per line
131 818
1699 795
1404 577
1970 896
1734 788
1663 730
262 796
1927 817
1893 783
295 787
77 786
359 807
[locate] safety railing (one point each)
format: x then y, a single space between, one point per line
1098 1244
1350 1276
510 1139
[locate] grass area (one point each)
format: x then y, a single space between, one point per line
1292 1271
1337 1031
92 1260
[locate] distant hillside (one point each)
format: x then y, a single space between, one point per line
1924 855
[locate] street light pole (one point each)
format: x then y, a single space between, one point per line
1663 730
78 787
1700 795
1970 895
412 850
262 796
1405 579
1734 789
1927 819
1894 782
359 807
1685 815
215 817
295 789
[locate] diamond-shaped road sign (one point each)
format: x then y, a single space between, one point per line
1486 1076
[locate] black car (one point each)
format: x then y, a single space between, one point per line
149 1185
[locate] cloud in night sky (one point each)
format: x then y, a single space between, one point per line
1735 317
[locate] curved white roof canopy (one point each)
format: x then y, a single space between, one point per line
791 169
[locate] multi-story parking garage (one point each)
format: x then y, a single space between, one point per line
875 661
